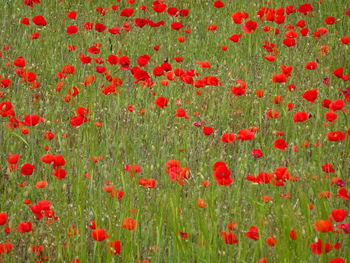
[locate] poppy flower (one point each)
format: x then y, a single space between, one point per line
337 260
250 26
24 227
289 42
219 4
72 30
279 78
229 237
338 72
20 62
300 116
319 247
25 21
115 247
60 173
27 169
41 184
100 27
323 226
339 215
280 144
328 168
310 95
222 174
207 130
72 15
143 60
161 102
345 40
330 20
13 158
228 137
337 105
293 234
257 153
235 37
330 116
180 112
245 135
39 20
253 233
127 12
184 12
311 65
343 193
99 234
336 136
271 241
201 203
176 26
3 218
129 223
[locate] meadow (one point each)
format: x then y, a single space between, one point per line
174 131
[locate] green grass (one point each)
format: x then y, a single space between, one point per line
153 138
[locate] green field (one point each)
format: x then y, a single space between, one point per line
174 131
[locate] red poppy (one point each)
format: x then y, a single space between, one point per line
27 169
289 42
39 20
343 193
257 153
3 218
337 260
253 233
280 144
271 241
20 62
229 237
293 234
222 174
337 105
330 20
115 247
100 27
330 116
24 227
245 135
25 21
279 78
161 102
328 168
339 214
129 223
300 116
311 65
207 130
235 37
31 120
323 226
72 30
13 158
228 137
250 26
219 4
72 15
60 173
176 25
99 234
310 95
127 12
180 112
336 136
318 247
